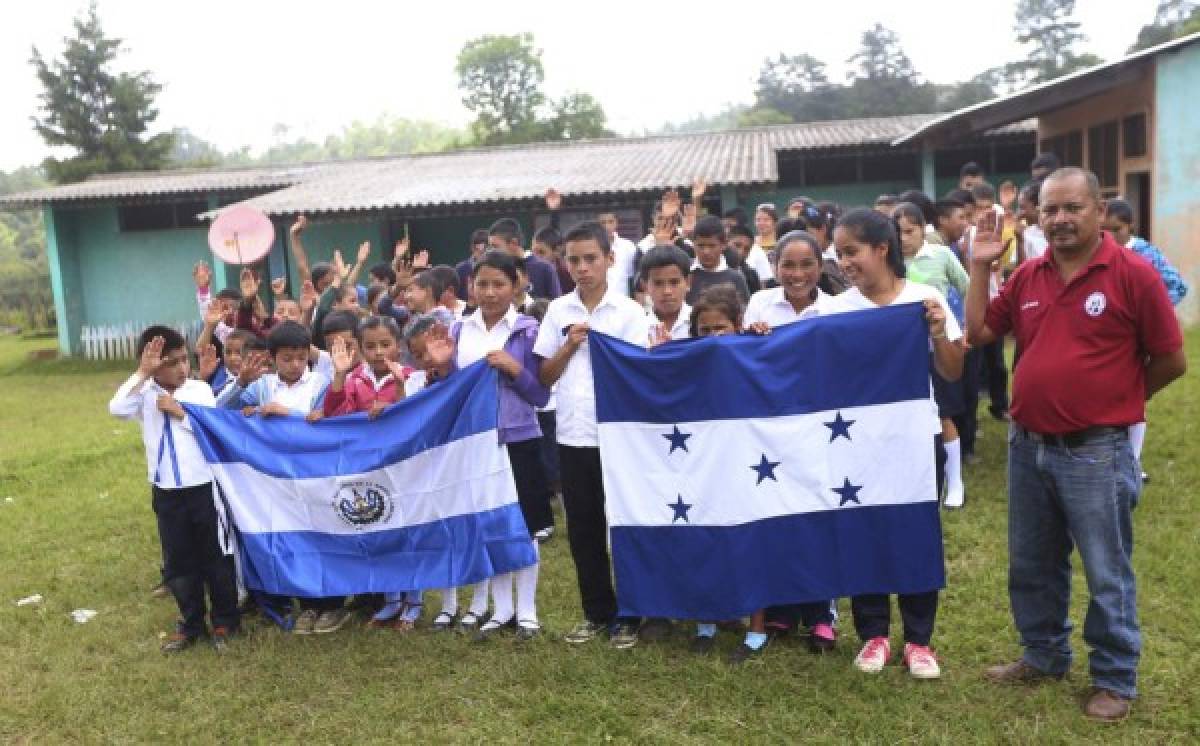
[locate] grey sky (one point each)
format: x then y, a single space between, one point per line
232 70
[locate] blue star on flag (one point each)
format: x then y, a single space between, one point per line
765 469
681 509
838 427
848 492
678 439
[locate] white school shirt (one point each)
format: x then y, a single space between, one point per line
773 307
475 340
912 292
1035 242
758 261
616 315
722 265
137 399
624 253
681 329
415 382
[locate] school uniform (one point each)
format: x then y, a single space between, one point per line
681 329
184 501
773 307
703 279
624 267
577 434
360 390
918 611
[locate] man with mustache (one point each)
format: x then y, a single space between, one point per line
1097 337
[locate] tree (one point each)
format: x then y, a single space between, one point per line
797 87
885 82
102 115
1172 19
501 77
25 296
577 116
1049 32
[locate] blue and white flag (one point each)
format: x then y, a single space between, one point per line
422 497
742 472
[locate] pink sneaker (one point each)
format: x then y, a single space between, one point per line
822 639
921 662
874 655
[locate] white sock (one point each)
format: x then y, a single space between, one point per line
502 597
954 484
527 579
1137 436
449 601
479 598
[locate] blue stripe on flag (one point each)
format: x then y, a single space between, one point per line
290 448
867 357
443 554
727 572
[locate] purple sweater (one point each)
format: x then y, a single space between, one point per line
517 420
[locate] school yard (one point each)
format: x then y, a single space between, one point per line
76 527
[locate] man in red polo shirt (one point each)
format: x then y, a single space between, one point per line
1096 337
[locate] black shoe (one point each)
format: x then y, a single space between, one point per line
745 654
702 644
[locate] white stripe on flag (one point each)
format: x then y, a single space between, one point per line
470 475
717 478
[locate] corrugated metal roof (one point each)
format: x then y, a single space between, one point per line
1013 101
501 174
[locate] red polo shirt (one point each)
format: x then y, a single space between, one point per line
1083 345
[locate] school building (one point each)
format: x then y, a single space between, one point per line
121 246
1128 121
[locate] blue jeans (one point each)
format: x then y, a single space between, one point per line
1062 497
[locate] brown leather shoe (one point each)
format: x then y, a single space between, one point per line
1018 672
1106 706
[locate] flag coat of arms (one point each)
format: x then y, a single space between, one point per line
422 497
742 472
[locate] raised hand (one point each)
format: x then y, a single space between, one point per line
664 229
343 358
553 199
398 373
988 244
279 286
420 260
340 270
364 252
202 274
689 219
152 358
299 226
698 188
208 360
308 296
253 366
670 203
1008 195
659 335
214 313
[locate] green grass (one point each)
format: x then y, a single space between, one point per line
79 530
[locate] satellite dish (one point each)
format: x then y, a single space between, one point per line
241 235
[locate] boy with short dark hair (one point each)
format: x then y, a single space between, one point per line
664 272
181 485
562 345
506 235
711 267
741 239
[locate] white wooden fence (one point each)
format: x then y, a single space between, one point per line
119 341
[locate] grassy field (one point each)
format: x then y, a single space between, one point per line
76 527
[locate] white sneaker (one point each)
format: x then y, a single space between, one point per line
954 497
874 655
921 662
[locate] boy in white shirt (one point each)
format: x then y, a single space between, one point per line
181 487
665 272
562 345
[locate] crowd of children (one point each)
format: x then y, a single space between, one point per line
337 347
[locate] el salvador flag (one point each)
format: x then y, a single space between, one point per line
742 472
422 497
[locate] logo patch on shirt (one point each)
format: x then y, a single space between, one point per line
1095 304
1029 304
359 504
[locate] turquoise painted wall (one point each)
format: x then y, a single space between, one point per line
847 195
323 236
1176 195
448 238
141 276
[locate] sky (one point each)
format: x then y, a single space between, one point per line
232 71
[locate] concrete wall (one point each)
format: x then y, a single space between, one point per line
1176 180
322 237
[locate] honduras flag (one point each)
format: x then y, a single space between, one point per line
422 497
742 472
